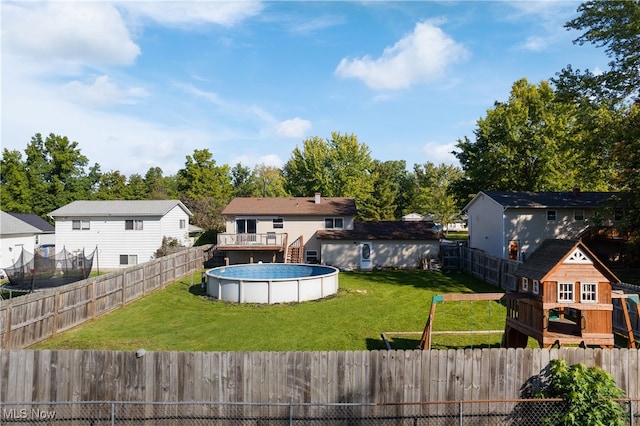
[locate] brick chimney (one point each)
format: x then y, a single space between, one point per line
318 198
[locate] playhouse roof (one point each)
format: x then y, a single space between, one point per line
552 253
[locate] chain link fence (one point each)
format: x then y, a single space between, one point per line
494 412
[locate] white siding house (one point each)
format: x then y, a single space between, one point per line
512 224
124 232
20 232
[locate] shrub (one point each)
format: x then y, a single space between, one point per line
590 395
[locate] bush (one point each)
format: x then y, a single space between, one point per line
590 395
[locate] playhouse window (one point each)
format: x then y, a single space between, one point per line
525 284
565 292
536 286
551 215
578 214
589 292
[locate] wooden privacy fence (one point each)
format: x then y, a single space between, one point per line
296 377
29 319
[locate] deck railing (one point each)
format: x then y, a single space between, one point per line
269 239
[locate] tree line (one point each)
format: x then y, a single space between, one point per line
577 129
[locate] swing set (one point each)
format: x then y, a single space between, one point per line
428 332
512 319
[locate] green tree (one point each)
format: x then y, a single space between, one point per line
270 180
244 181
434 193
336 167
390 180
56 172
590 394
159 187
15 192
112 186
136 188
205 188
522 144
614 25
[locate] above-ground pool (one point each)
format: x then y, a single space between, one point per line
271 282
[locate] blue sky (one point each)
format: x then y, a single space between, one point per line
140 84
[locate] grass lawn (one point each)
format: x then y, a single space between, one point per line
180 317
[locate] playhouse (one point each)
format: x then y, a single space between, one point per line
565 297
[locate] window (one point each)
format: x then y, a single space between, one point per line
578 214
37 239
589 292
246 226
183 224
311 256
131 224
278 223
525 284
551 215
565 292
80 225
128 259
536 287
334 223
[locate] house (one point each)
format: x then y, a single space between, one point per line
125 232
566 298
512 224
22 231
380 244
281 229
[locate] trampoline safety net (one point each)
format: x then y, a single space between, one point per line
46 269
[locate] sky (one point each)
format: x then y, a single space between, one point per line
141 84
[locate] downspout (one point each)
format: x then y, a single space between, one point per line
504 236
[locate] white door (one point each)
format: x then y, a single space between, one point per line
365 256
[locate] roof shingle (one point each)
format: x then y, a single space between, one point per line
290 206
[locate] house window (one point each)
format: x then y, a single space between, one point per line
80 225
525 284
551 215
536 287
131 224
565 292
246 226
311 256
334 223
589 292
128 259
37 239
278 223
578 214
183 224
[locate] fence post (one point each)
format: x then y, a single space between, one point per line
290 415
631 419
113 413
460 416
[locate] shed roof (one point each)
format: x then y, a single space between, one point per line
291 206
549 199
384 230
551 253
84 208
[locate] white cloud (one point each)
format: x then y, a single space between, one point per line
420 56
440 153
102 91
188 13
72 32
294 128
